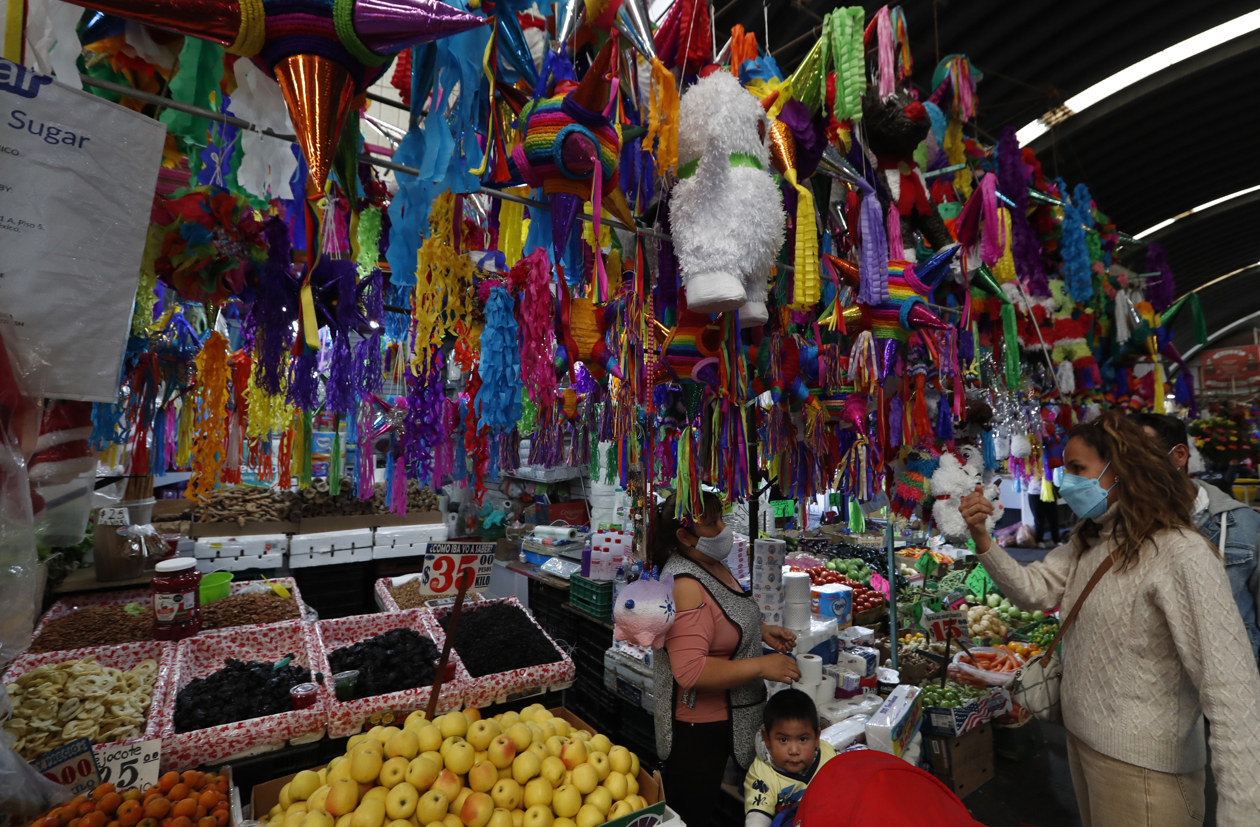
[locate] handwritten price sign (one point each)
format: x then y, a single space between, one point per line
942 626
446 565
131 765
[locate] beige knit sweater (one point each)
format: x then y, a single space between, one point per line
1156 647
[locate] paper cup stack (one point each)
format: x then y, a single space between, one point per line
767 579
796 593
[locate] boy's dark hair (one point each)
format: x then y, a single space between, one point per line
789 705
1170 430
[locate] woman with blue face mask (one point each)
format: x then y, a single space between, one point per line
710 677
1157 644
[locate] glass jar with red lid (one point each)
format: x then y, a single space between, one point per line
176 590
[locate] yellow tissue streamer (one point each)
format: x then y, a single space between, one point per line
663 118
511 228
268 414
209 451
807 288
1004 267
957 154
444 285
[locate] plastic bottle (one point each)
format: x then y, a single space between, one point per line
619 582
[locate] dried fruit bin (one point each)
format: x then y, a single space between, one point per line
144 598
124 656
347 718
495 688
384 599
205 654
386 602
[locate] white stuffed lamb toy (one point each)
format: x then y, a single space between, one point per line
727 216
955 477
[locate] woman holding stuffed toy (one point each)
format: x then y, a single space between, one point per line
1156 646
710 677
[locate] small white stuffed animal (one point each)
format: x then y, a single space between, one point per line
956 476
726 216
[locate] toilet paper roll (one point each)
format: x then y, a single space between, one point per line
826 690
796 616
796 587
811 669
452 523
559 532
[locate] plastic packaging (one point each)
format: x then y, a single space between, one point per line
176 591
990 678
23 791
20 415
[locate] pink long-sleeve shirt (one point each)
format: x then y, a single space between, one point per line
698 634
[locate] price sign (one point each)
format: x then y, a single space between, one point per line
113 516
945 625
926 564
447 564
71 765
784 508
131 765
978 582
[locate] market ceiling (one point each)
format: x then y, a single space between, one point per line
1181 138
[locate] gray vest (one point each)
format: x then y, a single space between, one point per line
745 701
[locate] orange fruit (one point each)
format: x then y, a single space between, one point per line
167 781
130 813
102 791
208 799
108 803
221 818
114 824
148 822
74 822
132 795
181 821
94 820
178 792
157 807
222 786
184 806
87 807
65 814
200 814
207 821
223 804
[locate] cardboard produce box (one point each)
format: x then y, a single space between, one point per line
950 721
267 795
963 762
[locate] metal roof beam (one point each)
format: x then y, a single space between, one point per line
1204 60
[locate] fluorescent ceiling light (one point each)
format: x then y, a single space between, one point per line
1157 62
1201 208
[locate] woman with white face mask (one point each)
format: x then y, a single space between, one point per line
710 677
1157 645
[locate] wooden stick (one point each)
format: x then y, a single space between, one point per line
466 578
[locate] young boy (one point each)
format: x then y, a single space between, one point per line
790 733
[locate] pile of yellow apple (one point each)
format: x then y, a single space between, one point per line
525 769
